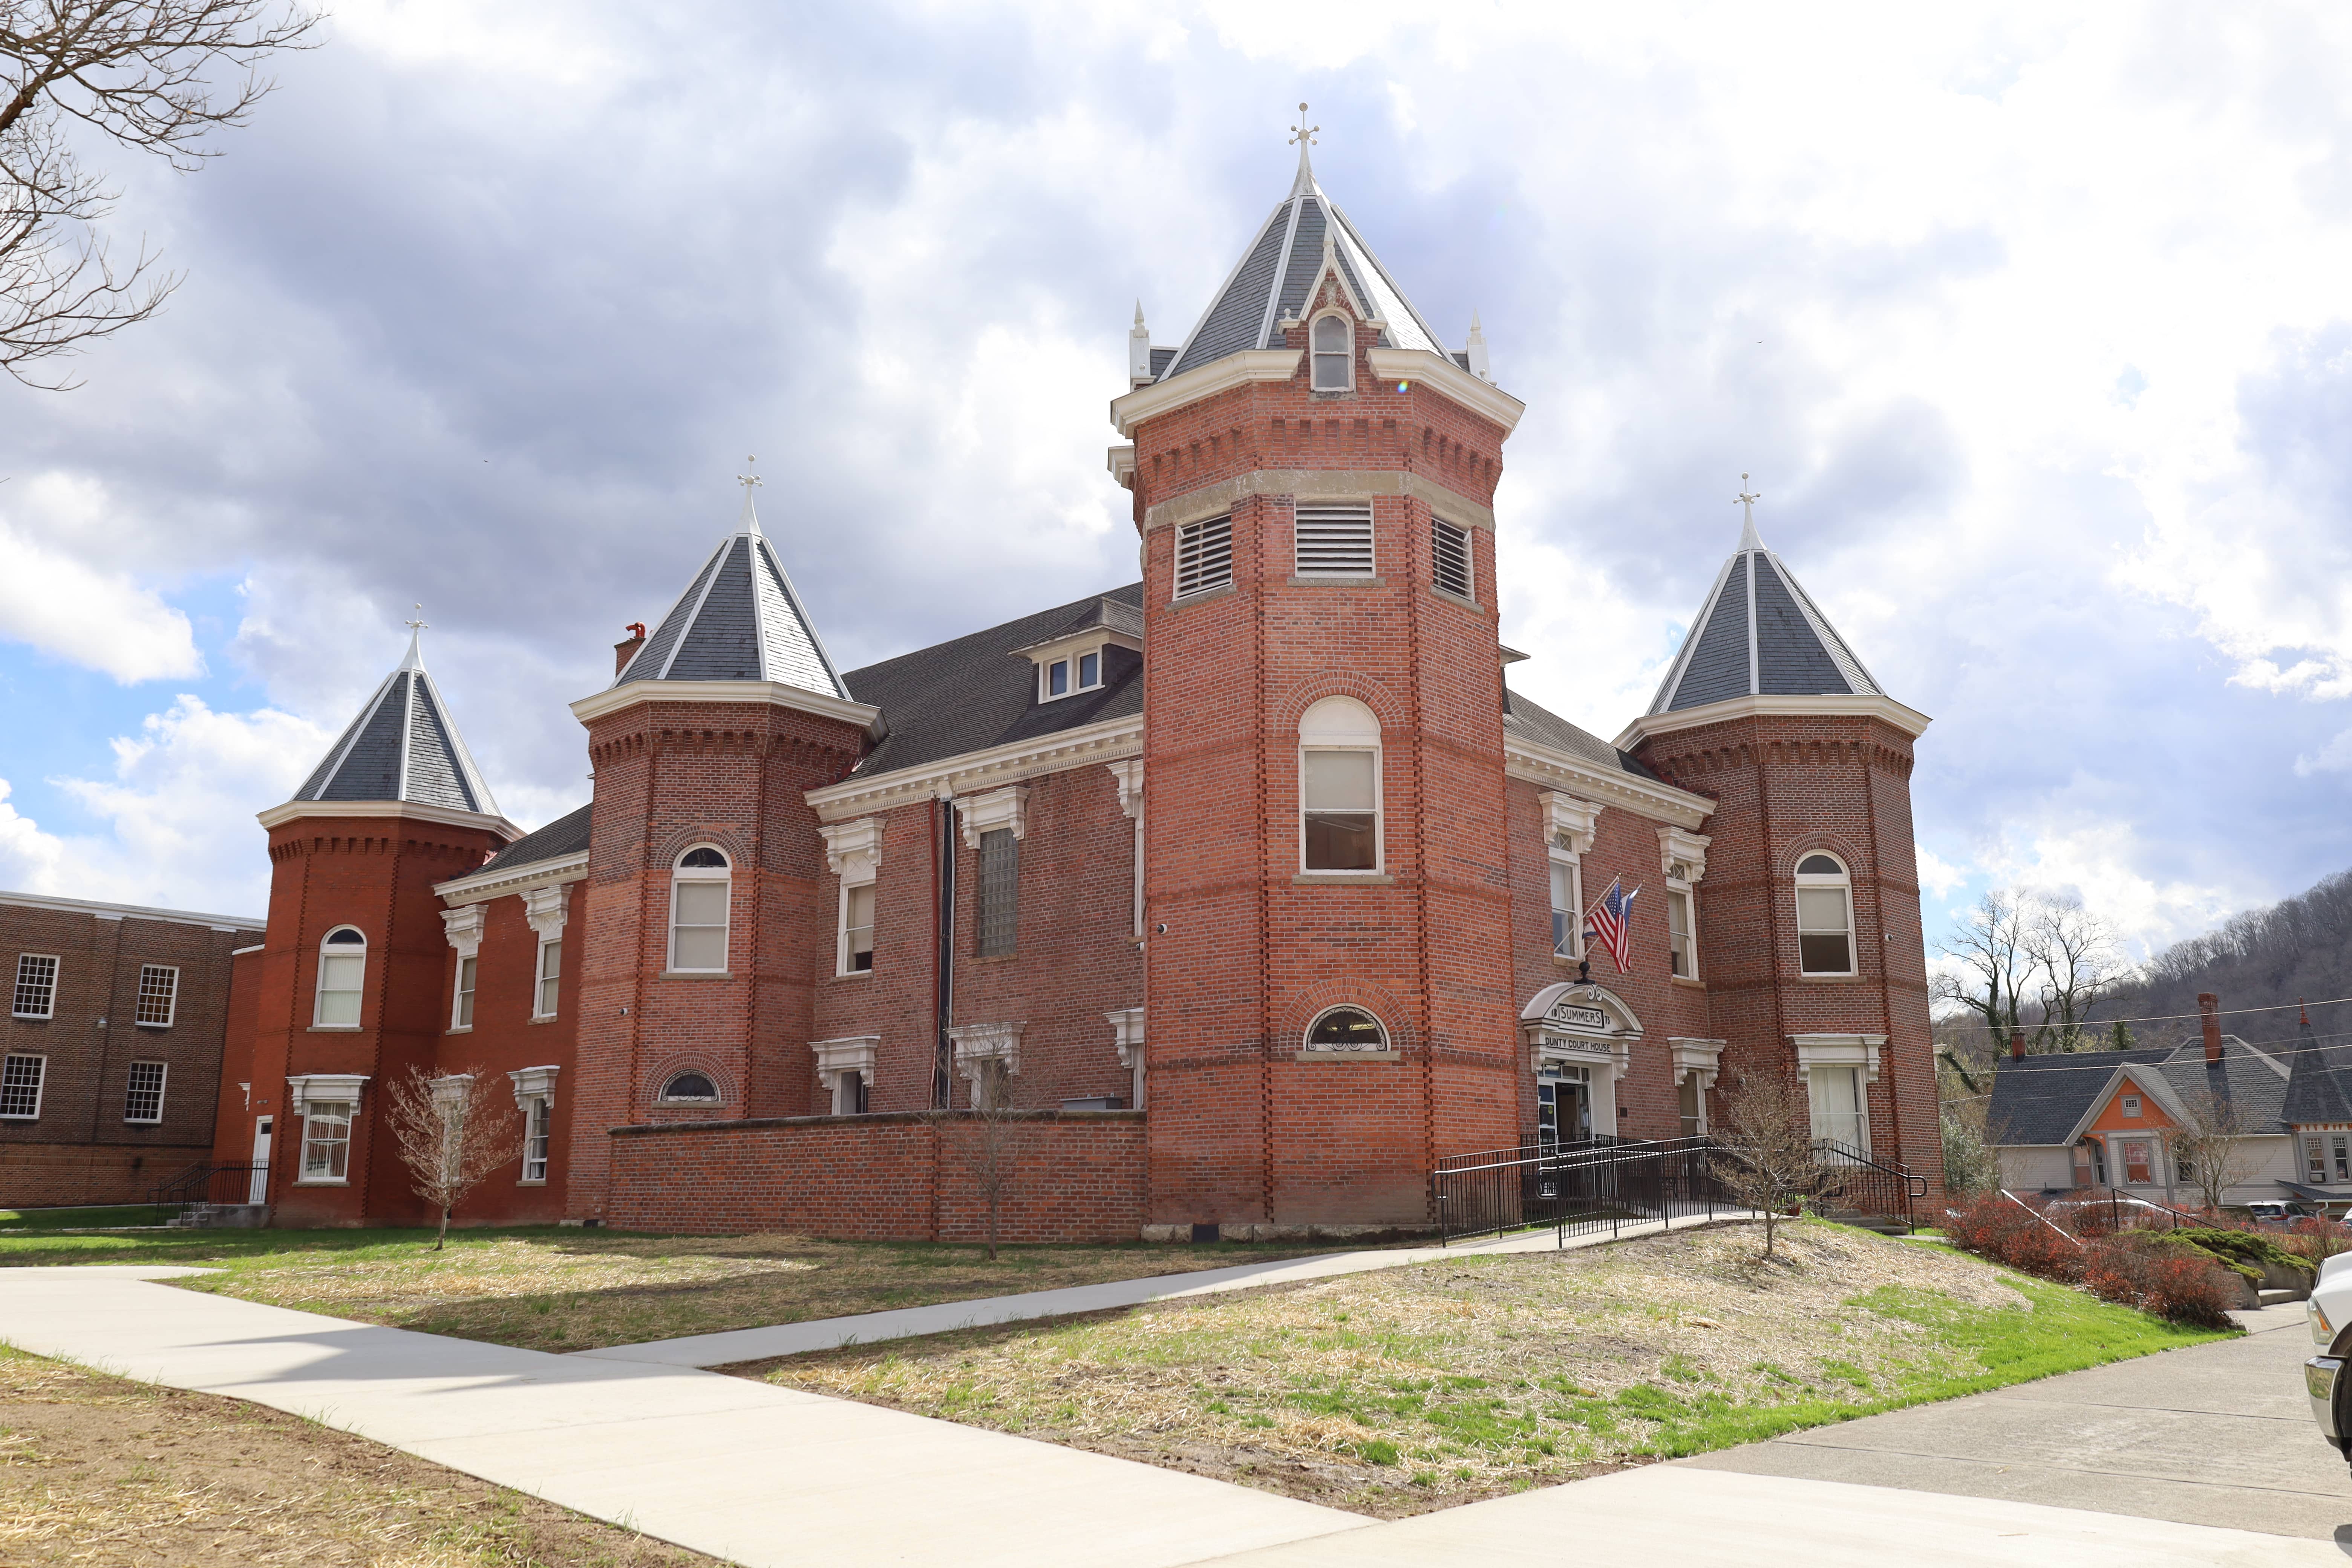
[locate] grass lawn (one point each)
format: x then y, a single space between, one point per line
1416 1388
554 1289
92 1218
95 1470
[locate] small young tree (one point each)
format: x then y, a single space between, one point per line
2216 1145
999 1129
1971 1165
450 1133
1768 1162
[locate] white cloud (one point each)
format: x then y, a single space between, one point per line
31 861
1937 874
2336 757
2103 862
64 589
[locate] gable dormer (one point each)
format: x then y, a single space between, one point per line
1094 651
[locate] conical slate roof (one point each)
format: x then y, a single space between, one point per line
738 620
402 747
2318 1082
1278 270
1760 634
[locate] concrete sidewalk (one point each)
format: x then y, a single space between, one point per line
906 1322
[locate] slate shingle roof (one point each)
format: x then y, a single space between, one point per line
567 835
2319 1083
978 691
1759 633
1523 718
1278 268
739 619
404 747
2042 1100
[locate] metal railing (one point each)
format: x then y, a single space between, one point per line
207 1182
1853 1179
1576 1188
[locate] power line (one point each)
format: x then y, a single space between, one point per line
2004 1029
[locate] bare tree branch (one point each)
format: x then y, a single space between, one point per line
1769 1163
1989 943
2081 966
2216 1145
141 73
451 1134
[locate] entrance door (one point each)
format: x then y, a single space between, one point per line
1563 1107
257 1186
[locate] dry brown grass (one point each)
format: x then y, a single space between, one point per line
582 1290
1420 1388
106 1473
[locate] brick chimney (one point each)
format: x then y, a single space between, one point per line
625 651
2017 1044
2209 1012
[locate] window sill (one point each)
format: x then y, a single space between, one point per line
1453 598
1342 879
1684 980
1828 979
1351 1056
1066 696
148 1122
994 957
695 974
332 1029
33 1017
1219 591
543 1017
1341 577
853 974
458 1030
27 1120
529 1181
323 1182
143 1025
1566 961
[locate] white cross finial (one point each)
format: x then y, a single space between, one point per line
751 519
415 659
1302 131
1747 500
1303 136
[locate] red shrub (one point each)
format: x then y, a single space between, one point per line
2009 1234
2314 1240
2168 1282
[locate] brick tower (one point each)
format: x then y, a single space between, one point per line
1325 876
703 920
1813 886
351 989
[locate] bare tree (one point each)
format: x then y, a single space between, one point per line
2216 1144
141 74
2080 964
999 1129
1768 1161
1989 943
451 1135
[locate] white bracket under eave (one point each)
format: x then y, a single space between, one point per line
1006 809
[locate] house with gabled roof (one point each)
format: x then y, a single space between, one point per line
1251 883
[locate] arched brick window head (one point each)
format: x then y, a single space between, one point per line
698 911
1339 787
1824 916
690 1088
342 975
1334 364
1345 1029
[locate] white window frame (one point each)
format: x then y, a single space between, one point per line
1343 724
1307 1038
724 875
170 997
1323 514
330 948
461 1000
313 1113
1560 862
1680 898
48 986
543 1005
1073 666
1440 532
716 1096
131 1089
1345 354
1813 881
1209 544
2130 1107
10 1068
844 956
538 1140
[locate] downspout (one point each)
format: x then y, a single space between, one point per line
943 897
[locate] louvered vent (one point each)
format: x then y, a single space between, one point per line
1205 555
1449 549
1335 540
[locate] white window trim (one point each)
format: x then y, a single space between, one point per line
1845 881
40 1085
978 1043
1126 1039
535 1085
1700 1061
1348 325
1468 592
718 1095
539 977
681 874
1677 889
1338 740
463 927
1841 1050
1307 1048
57 978
1570 825
1129 775
1193 532
307 1090
1371 540
319 991
853 852
546 907
838 1058
2131 1107
171 1007
460 992
163 1086
1556 856
1007 808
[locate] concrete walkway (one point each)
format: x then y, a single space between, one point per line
2219 1433
906 1322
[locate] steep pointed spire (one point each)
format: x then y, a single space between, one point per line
1760 634
2318 1079
739 619
1276 276
1139 350
1475 350
403 747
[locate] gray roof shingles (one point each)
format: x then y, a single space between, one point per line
739 620
567 835
2040 1099
1796 651
1523 718
365 761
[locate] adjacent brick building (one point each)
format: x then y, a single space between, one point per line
1252 881
110 1059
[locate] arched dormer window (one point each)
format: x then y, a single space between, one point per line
689 1088
1339 787
1335 357
697 912
1824 916
1346 1030
342 975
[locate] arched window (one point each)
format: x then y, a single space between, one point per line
1335 360
689 1088
342 973
698 911
1339 787
1347 1030
1824 916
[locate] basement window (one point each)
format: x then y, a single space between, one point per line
690 1088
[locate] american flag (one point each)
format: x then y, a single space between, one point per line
1610 923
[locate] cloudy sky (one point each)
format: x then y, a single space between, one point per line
2033 327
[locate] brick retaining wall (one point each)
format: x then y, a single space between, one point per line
1069 1176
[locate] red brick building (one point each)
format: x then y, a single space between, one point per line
1252 881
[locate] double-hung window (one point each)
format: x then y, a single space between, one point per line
342 976
551 976
856 929
1567 905
535 1116
1335 358
37 986
1205 555
1339 787
697 917
1450 558
142 1100
327 1141
159 995
20 1087
1682 951
1841 1115
1333 541
1824 916
461 1013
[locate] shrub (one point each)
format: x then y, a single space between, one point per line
2183 1284
2247 1252
2002 1230
2314 1240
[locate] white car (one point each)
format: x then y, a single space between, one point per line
2330 1311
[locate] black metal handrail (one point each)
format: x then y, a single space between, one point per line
207 1182
1867 1184
1573 1186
